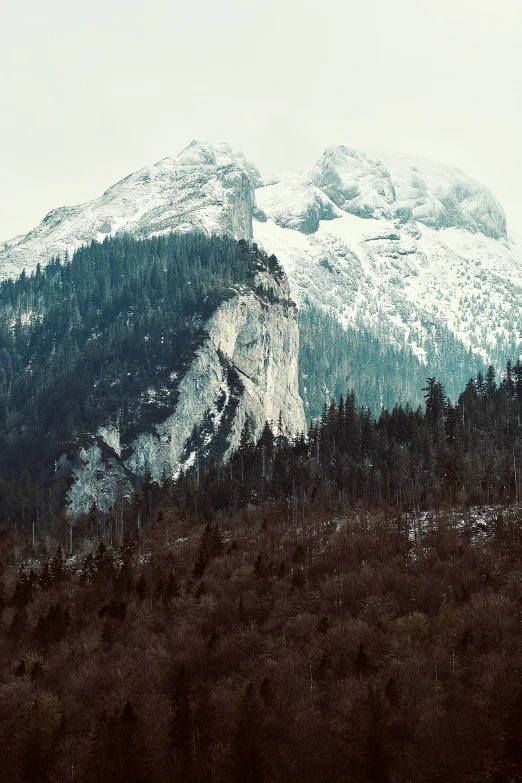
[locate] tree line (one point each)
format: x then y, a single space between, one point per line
406 460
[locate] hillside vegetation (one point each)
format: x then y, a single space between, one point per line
103 336
266 644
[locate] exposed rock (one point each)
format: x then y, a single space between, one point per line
444 197
249 335
262 345
355 183
99 479
292 201
111 436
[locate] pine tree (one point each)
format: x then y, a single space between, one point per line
435 402
57 567
247 743
180 731
491 383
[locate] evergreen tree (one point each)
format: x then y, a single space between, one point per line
435 401
247 743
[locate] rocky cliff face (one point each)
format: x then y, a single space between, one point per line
390 185
443 197
259 342
358 185
246 370
292 201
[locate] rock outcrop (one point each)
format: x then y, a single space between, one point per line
390 185
292 201
444 197
259 342
355 183
246 370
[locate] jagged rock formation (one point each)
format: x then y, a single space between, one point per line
443 197
355 183
388 185
98 478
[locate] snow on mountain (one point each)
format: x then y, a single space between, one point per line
393 185
355 183
407 245
292 201
403 281
208 187
443 197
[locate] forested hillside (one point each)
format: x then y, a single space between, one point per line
106 334
287 641
467 453
334 359
345 607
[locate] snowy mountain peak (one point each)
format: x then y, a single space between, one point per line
393 185
402 247
208 188
417 256
441 196
204 153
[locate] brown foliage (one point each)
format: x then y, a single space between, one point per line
368 655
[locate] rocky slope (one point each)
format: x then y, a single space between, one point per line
246 371
406 249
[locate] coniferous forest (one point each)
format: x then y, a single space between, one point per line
334 359
344 607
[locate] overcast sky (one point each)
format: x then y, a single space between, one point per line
91 91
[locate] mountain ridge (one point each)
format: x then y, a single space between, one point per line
403 248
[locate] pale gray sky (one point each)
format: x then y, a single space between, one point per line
91 91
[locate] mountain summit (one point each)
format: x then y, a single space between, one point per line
208 188
411 257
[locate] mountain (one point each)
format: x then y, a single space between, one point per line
410 256
401 267
208 188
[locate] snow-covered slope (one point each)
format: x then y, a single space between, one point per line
208 188
406 246
405 279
